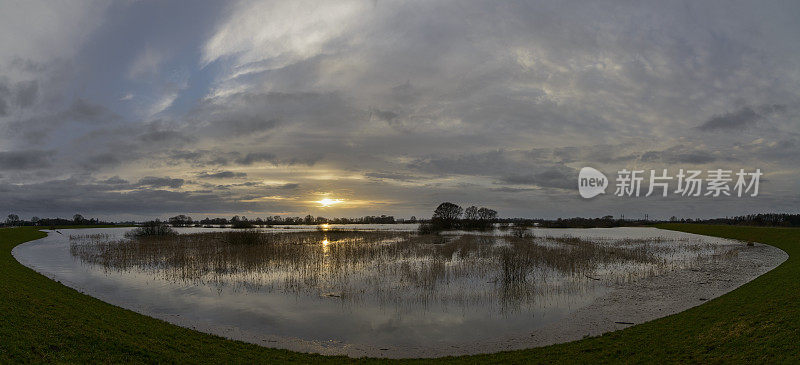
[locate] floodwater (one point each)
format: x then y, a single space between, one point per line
380 286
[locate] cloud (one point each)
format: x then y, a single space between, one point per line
115 180
158 132
18 96
743 118
25 159
160 182
252 158
387 116
261 34
82 110
392 176
68 196
221 175
509 167
683 154
255 157
147 63
402 102
561 177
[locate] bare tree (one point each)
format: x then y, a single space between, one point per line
471 213
12 220
487 214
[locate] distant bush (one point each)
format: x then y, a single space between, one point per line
152 228
521 231
427 228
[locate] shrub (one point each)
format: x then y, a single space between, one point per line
520 232
152 228
427 228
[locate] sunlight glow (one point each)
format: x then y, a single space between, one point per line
327 202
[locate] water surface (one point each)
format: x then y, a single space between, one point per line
380 287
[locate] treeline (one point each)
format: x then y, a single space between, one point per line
244 222
446 216
13 220
578 222
766 220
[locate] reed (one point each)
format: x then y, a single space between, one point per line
396 267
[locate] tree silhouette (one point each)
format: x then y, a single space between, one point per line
12 220
446 215
471 213
485 214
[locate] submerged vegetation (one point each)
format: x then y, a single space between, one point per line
396 267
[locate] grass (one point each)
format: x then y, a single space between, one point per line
45 321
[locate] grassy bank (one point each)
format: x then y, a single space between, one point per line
45 321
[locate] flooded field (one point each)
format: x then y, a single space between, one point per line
374 290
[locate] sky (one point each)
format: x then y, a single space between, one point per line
141 109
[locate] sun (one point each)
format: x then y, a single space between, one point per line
327 202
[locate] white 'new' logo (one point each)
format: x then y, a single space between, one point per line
591 182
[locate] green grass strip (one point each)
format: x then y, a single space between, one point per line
44 321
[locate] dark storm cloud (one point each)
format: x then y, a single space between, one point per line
160 182
743 118
561 177
25 159
221 175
